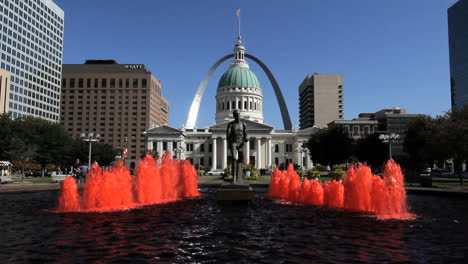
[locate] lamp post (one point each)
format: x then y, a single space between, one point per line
389 139
301 150
90 137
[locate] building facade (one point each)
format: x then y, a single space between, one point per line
458 52
320 100
4 91
357 128
117 101
31 34
238 89
385 121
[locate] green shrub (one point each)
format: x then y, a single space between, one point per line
337 173
228 172
253 172
312 174
201 172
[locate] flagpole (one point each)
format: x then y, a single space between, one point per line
239 25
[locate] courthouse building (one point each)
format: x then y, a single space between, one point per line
267 147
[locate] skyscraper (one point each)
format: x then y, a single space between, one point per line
31 33
458 51
320 100
117 101
4 91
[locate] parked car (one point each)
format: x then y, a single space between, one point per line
215 173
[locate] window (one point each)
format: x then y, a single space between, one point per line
135 83
64 83
190 147
127 83
245 105
252 144
210 147
288 147
239 105
72 83
202 147
95 83
112 83
164 145
80 83
120 83
104 83
276 148
233 105
143 83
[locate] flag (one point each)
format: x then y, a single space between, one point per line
238 12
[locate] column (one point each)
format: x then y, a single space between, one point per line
169 147
149 145
215 156
159 148
268 165
224 163
259 155
247 152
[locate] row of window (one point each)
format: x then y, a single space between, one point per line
232 105
37 17
103 83
32 42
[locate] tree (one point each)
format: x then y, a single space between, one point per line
444 137
330 146
22 150
372 150
5 136
455 131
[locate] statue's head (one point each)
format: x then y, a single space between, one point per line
235 114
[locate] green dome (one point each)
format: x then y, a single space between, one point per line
239 77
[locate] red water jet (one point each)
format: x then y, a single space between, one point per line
360 191
115 189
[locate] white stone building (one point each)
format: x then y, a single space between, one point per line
267 147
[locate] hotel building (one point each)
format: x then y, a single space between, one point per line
117 101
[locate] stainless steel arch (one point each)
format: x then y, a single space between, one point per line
279 95
193 113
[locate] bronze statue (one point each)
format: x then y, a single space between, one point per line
236 134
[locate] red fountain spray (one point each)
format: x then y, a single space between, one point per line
360 191
115 189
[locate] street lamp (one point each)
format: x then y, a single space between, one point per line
90 137
389 139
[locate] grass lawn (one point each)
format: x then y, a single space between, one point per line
443 183
34 180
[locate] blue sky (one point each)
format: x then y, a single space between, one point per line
391 53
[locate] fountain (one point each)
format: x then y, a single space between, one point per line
360 191
115 189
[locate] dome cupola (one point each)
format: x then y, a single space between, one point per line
239 89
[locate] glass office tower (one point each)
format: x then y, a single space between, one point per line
458 49
31 40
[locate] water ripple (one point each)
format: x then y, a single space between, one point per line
203 231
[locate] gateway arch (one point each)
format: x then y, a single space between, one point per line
193 113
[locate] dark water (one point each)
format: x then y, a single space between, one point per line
202 231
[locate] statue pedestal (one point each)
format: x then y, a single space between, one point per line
235 192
